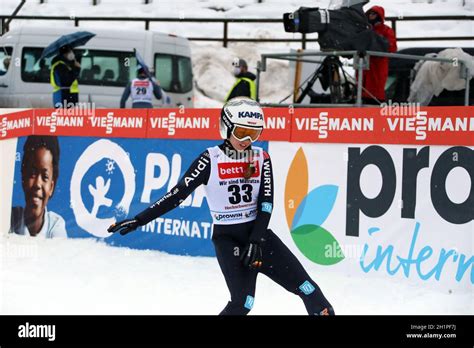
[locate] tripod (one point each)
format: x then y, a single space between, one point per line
329 75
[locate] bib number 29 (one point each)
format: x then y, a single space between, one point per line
140 90
239 194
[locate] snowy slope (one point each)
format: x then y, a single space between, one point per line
57 276
223 8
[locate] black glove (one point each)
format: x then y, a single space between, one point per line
252 256
124 227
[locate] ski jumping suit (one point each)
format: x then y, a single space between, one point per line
142 91
241 210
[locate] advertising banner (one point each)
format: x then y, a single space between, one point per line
117 123
405 212
358 190
388 125
391 125
81 185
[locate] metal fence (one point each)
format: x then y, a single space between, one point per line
225 38
360 64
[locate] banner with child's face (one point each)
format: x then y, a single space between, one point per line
95 182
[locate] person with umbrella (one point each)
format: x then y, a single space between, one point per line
65 70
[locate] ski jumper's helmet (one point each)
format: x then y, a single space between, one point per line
243 118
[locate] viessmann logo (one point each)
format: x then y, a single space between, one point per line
324 125
110 121
9 125
173 122
54 121
306 213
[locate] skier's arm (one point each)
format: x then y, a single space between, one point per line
125 95
264 202
156 90
197 174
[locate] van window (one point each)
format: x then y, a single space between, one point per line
106 68
5 59
98 67
174 73
31 69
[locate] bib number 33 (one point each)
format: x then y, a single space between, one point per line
239 194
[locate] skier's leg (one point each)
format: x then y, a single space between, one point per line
240 281
280 265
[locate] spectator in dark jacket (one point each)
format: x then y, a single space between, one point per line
244 86
64 73
376 77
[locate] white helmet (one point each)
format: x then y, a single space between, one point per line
243 118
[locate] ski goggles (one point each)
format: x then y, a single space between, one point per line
244 133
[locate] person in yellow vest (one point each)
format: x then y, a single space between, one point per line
244 86
65 70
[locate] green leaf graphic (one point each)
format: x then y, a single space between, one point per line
317 244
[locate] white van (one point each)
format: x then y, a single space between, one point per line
107 62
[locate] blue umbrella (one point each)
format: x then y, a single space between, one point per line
75 39
141 62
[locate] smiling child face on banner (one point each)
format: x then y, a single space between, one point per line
39 174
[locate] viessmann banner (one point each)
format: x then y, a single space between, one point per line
429 125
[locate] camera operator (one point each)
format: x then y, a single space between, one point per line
376 77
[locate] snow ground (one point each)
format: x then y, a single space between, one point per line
83 276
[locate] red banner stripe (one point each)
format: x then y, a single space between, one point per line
391 125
